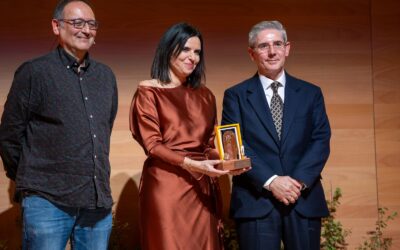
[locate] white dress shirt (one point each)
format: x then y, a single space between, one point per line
266 84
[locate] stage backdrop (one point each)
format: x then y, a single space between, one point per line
350 48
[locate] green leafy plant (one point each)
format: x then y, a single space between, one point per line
333 236
376 240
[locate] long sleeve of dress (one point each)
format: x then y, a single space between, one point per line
211 152
145 127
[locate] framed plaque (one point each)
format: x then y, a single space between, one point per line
230 148
229 142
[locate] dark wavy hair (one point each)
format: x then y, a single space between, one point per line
171 44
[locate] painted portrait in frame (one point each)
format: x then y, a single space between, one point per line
229 142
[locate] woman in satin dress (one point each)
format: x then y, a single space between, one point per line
172 117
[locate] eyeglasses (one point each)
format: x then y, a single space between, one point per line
80 23
276 45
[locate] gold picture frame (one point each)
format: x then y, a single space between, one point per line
229 142
230 148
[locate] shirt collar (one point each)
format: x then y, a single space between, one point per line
71 62
266 82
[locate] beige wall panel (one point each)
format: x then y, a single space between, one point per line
387 116
340 82
388 144
388 194
350 147
359 197
122 120
351 116
331 47
386 68
359 229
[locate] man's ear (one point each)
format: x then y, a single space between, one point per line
56 27
250 51
287 49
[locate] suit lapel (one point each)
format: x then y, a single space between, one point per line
256 98
292 101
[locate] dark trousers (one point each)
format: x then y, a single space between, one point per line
295 231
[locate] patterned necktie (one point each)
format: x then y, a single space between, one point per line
277 108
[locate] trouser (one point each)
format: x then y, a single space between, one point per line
296 232
49 226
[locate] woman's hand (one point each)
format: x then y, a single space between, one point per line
206 167
239 171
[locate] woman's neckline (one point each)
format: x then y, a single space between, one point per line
155 83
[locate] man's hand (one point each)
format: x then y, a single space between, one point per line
285 189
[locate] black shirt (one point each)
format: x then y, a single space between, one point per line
55 130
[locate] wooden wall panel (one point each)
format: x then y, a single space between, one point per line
332 46
386 68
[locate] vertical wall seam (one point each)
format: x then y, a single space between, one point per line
373 100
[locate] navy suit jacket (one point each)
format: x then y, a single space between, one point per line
301 154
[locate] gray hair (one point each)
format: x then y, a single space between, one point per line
276 25
59 10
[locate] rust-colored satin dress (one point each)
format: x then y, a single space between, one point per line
178 209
